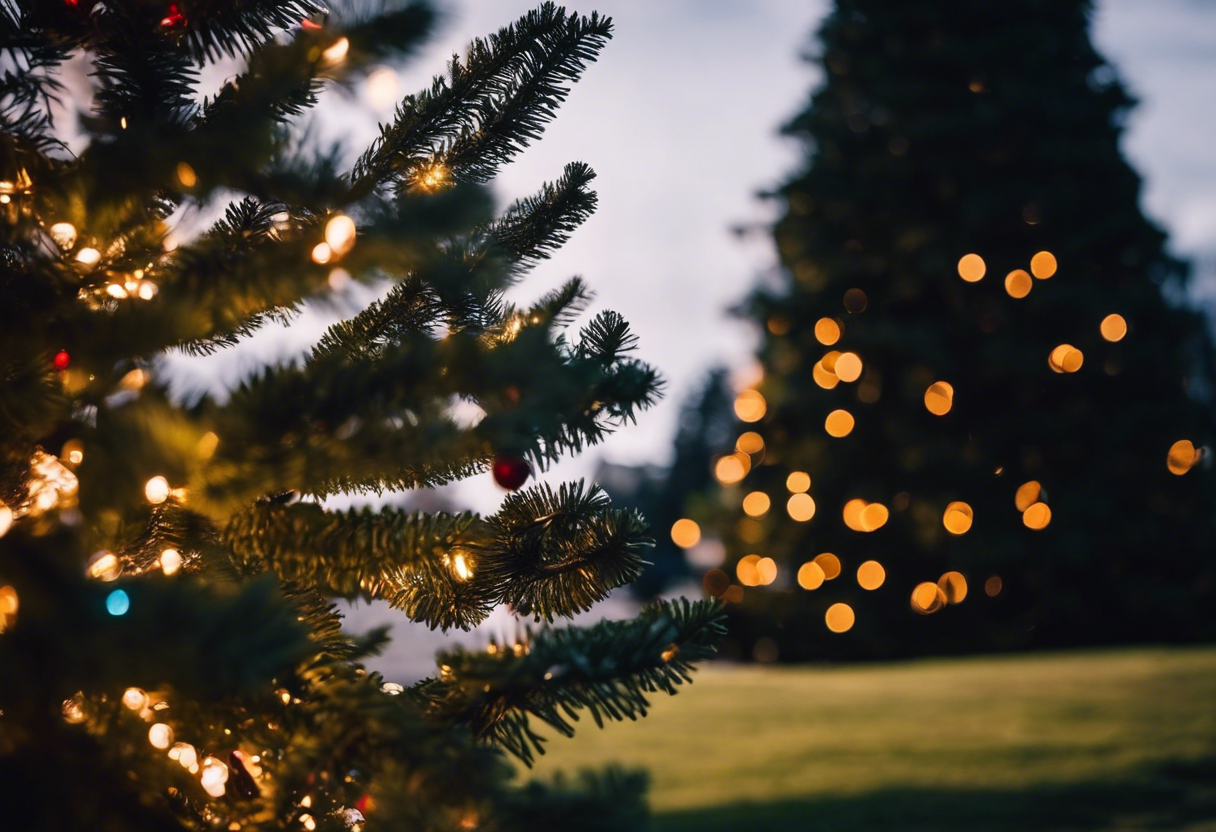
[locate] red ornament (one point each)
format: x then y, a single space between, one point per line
173 18
310 24
62 360
365 804
511 471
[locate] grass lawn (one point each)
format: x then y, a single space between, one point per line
1087 740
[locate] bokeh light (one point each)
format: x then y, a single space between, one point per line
756 503
118 602
1065 359
766 571
715 582
971 268
1182 457
800 507
839 423
839 618
993 586
827 331
824 377
957 517
1018 284
810 575
798 481
1113 327
1027 494
851 514
749 443
870 575
1037 516
855 301
685 533
746 571
830 564
732 468
928 598
750 406
848 367
953 586
1043 265
873 517
939 398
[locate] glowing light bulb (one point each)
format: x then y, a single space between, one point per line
798 481
839 618
157 490
1043 265
1113 328
6 519
88 256
322 253
810 575
63 234
186 175
214 776
750 406
971 268
871 575
170 561
800 507
118 602
460 565
104 566
756 504
381 88
160 735
392 689
135 699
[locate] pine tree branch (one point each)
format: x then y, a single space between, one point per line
608 669
459 104
558 553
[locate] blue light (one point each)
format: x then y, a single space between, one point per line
118 602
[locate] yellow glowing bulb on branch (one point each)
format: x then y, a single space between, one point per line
135 699
460 565
88 256
160 736
157 490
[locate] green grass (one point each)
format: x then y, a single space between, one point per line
1093 740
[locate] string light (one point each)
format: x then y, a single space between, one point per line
1065 359
750 406
1182 457
839 423
928 598
839 618
971 268
336 53
88 256
798 481
958 517
848 367
953 586
9 604
810 575
732 468
340 235
63 234
156 490
322 254
800 507
939 398
186 175
685 533
1037 516
214 777
6 519
1113 327
160 736
460 565
1027 494
118 602
830 564
1018 284
135 699
170 561
871 575
827 331
1043 265
750 443
104 566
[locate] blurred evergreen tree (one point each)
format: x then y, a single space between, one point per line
977 350
169 657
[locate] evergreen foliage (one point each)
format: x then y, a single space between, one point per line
949 137
171 655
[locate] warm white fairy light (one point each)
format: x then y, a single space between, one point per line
63 234
337 53
213 777
50 484
6 519
135 699
170 561
322 253
157 490
340 234
160 735
88 256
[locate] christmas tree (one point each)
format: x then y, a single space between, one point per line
983 406
170 654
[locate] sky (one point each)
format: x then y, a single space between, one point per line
680 119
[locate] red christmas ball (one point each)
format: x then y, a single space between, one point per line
511 471
62 360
